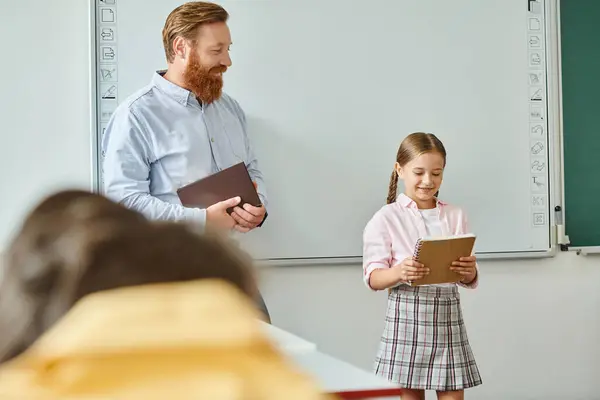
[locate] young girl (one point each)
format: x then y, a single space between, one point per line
424 345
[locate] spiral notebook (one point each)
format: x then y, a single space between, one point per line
438 254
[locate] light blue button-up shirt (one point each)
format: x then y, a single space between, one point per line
161 138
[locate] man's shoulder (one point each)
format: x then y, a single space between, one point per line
137 101
129 116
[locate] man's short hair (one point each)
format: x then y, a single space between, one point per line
185 21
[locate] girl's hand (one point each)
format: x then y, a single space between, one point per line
467 267
410 270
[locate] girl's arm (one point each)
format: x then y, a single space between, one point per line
378 271
385 278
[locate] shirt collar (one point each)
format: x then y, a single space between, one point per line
406 201
179 94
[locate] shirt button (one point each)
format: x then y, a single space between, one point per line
212 139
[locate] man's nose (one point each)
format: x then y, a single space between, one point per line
226 60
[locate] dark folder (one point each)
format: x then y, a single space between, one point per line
225 184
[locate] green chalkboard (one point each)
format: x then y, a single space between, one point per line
580 49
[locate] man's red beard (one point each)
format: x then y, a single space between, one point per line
202 81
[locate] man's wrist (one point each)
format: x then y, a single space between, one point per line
263 220
197 215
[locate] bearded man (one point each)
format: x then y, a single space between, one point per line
181 127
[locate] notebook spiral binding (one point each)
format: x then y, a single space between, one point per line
416 253
417 250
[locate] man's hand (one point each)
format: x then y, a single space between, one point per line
217 217
248 217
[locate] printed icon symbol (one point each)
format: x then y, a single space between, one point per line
535 7
108 73
111 2
108 101
537 130
536 113
535 78
537 148
107 15
539 219
107 35
105 115
108 53
538 166
538 201
538 183
534 41
535 59
102 130
537 94
110 93
534 24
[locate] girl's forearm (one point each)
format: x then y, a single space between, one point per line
384 278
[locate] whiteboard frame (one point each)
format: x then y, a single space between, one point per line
563 238
555 146
320 261
555 131
94 84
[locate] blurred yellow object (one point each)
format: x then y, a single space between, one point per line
194 340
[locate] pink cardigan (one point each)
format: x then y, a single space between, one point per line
391 234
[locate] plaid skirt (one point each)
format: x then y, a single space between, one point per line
424 343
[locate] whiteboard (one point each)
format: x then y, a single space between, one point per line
330 88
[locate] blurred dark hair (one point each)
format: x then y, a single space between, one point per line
75 243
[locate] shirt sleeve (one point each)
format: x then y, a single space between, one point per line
252 163
126 171
377 247
467 229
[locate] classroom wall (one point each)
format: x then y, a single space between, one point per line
534 324
45 140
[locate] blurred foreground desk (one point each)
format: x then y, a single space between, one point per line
286 341
333 375
343 379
